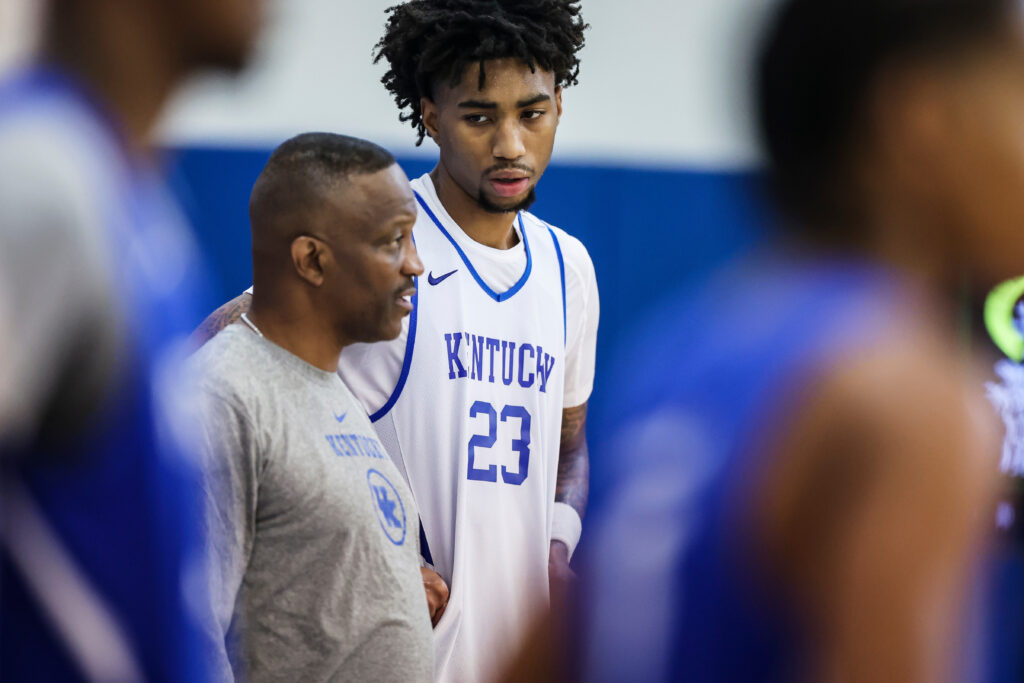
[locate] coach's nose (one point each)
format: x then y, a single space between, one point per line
412 265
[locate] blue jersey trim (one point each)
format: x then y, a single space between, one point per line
424 546
504 296
561 272
410 342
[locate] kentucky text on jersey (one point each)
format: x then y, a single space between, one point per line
354 445
525 363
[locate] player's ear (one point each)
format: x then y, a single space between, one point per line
558 101
428 111
309 257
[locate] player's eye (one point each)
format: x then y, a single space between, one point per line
533 114
475 119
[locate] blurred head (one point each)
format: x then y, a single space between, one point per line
868 104
215 33
332 221
193 34
484 80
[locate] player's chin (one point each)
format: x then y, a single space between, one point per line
495 203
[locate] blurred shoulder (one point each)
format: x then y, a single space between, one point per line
915 393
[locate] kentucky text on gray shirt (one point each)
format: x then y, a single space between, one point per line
314 538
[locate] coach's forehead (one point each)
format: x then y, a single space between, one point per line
368 202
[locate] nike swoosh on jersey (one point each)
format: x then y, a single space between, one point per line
440 278
341 418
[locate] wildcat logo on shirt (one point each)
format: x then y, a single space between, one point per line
524 364
388 505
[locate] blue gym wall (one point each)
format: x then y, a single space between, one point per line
649 231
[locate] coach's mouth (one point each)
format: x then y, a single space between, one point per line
404 299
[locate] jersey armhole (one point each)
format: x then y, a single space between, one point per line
410 343
561 273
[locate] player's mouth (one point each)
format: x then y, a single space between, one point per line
404 299
509 183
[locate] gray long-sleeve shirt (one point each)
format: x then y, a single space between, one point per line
313 533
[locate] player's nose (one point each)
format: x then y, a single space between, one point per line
508 140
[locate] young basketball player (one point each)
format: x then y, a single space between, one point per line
810 466
482 399
98 492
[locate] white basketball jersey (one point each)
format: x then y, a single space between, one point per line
478 417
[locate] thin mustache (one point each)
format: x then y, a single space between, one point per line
508 167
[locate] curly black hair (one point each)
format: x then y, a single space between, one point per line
426 41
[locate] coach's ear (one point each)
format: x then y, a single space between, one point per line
428 112
309 257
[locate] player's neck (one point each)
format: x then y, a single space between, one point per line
121 57
296 329
494 230
909 238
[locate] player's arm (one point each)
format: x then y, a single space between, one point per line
872 514
572 486
571 489
222 317
437 594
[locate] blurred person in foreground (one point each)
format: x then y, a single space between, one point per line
801 479
99 497
1004 322
315 534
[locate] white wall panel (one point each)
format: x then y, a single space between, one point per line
662 83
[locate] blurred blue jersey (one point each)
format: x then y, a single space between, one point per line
101 546
671 589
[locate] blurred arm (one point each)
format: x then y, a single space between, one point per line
874 512
58 326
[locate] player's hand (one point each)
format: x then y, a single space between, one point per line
560 576
437 593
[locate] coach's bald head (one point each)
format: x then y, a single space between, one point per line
331 219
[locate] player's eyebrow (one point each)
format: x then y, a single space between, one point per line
530 101
486 104
478 104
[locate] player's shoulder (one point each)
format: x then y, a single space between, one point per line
911 385
574 253
56 159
